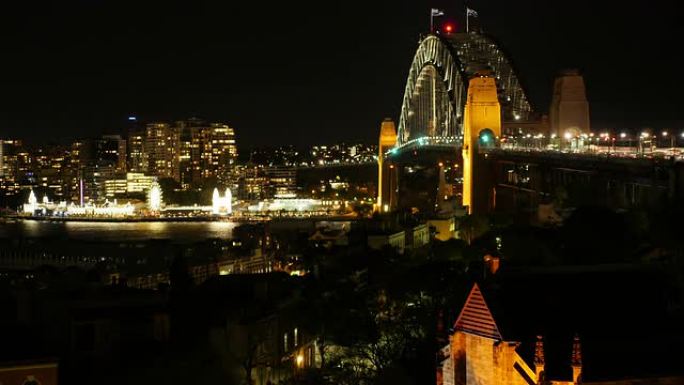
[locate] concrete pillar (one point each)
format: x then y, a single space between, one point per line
569 110
482 112
386 172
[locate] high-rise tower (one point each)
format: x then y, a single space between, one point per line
386 179
162 148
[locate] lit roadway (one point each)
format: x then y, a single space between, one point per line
603 151
539 144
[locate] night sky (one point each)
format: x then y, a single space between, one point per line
306 72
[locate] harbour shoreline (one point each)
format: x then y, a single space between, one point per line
131 220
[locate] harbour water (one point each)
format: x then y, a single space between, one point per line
116 231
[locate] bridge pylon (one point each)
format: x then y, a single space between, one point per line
387 183
481 128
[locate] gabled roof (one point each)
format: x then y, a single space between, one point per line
476 318
626 316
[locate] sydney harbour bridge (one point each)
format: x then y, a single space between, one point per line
446 155
435 96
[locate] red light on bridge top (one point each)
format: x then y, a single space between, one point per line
449 28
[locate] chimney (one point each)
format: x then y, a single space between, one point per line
576 360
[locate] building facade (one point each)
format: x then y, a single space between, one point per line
206 151
282 182
162 146
479 354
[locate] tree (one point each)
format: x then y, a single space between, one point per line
472 227
169 187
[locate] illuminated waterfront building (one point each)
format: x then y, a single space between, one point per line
106 151
32 204
8 151
116 147
222 204
133 183
48 166
137 157
9 166
206 151
24 174
154 197
15 165
94 178
72 171
218 152
282 182
296 206
138 182
188 156
115 187
162 149
62 209
251 182
89 164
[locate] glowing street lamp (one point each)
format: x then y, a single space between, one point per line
644 137
672 140
623 135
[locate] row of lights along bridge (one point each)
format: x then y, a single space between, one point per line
588 142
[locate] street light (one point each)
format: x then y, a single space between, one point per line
645 135
665 134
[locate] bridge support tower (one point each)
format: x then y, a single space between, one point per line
569 106
481 128
387 175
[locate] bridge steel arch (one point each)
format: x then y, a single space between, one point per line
456 57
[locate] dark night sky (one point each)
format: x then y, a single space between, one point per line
308 72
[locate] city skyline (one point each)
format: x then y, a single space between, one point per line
347 193
134 60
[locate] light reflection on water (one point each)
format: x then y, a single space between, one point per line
118 231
